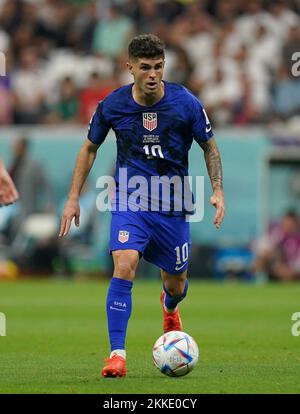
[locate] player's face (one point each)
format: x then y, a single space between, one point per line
147 74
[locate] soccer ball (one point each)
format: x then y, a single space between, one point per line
175 353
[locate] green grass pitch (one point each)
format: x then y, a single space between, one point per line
57 338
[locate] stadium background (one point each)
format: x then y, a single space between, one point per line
61 58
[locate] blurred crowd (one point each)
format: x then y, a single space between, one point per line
277 252
63 56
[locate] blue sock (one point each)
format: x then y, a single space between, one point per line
172 301
118 310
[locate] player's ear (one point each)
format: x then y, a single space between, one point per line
129 67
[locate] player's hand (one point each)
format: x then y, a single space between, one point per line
71 210
8 191
217 200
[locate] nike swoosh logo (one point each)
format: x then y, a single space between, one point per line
120 310
207 128
180 267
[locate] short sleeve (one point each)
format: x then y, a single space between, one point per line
98 127
201 127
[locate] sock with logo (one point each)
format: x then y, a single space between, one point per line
172 301
118 310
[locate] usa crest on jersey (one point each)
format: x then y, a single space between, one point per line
150 120
123 236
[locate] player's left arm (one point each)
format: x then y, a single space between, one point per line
214 167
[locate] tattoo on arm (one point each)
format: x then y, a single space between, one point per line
213 163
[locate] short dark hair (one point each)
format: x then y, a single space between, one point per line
146 46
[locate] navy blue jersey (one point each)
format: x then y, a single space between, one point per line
152 141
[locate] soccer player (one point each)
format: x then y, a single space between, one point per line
155 123
8 191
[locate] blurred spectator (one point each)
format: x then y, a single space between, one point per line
145 15
6 103
83 27
286 94
28 88
182 67
32 183
112 34
97 89
281 18
170 10
278 252
244 109
59 21
220 95
225 11
253 16
23 37
219 60
4 41
28 229
291 46
10 15
67 108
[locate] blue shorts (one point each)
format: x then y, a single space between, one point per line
162 240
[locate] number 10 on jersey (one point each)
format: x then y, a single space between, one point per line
155 150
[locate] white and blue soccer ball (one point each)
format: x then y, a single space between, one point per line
175 353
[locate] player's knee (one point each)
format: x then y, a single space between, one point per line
125 264
124 269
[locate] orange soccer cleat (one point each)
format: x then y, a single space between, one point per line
115 367
172 321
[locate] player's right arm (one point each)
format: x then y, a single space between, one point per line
98 130
84 163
